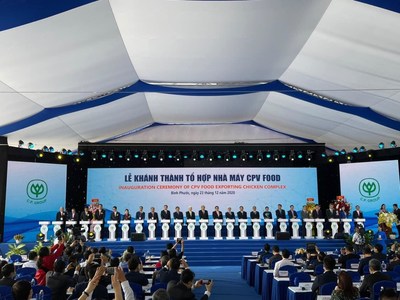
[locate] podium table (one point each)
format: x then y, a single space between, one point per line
243 229
165 229
334 226
85 226
282 224
346 225
309 228
178 228
295 228
203 229
191 225
125 226
97 230
320 228
57 226
44 228
359 222
230 226
112 228
152 228
218 228
269 228
256 229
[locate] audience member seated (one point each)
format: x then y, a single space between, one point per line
326 277
183 289
283 262
134 275
388 294
345 289
156 274
99 291
171 271
374 276
394 262
262 255
275 257
349 254
8 273
365 260
32 260
160 294
58 282
378 252
22 290
315 263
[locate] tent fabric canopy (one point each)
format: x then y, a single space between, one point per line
156 71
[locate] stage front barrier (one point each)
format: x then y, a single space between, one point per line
56 226
282 224
334 226
269 228
97 230
346 225
178 228
191 225
243 229
218 229
139 225
85 226
112 228
359 222
230 226
70 224
44 228
152 228
203 229
320 228
165 229
295 228
309 228
125 226
256 229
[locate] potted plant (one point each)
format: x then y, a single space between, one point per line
15 249
18 238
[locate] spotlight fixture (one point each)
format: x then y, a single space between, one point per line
111 156
268 155
393 144
51 149
283 155
195 156
59 156
300 154
201 156
77 159
381 145
94 155
31 145
69 152
234 156
330 159
323 154
161 155
349 157
259 155
177 156
128 155
276 155
370 154
309 155
227 156
362 149
210 156
291 155
243 155
343 152
39 153
145 155
20 143
45 149
337 153
103 155
355 150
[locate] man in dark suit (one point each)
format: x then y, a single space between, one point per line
267 214
372 278
280 214
292 214
349 254
58 281
86 215
178 215
62 216
331 212
203 213
140 214
100 215
230 214
254 214
358 214
183 289
326 277
275 257
134 275
171 271
317 212
217 214
153 215
115 215
73 215
241 214
365 260
190 214
165 213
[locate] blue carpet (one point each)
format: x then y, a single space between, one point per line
228 284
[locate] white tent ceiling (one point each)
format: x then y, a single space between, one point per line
267 71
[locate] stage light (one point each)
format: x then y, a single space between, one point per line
153 156
210 156
91 236
309 155
177 156
355 150
104 155
59 156
161 155
20 143
39 153
63 151
136 155
268 155
370 154
201 156
251 156
381 145
283 155
195 156
227 156
323 154
51 149
40 237
243 155
276 155
111 156
299 155
145 155
393 144
170 156
69 152
77 159
337 153
330 159
343 152
234 156
94 155
45 149
128 155
362 149
31 145
291 155
259 155
81 153
349 157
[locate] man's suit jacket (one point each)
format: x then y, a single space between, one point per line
320 280
242 215
100 292
317 214
115 216
165 215
305 215
140 215
61 216
358 215
267 215
254 215
331 214
137 277
86 216
292 214
178 215
280 214
74 217
217 215
363 262
100 215
370 280
190 215
153 216
344 258
182 292
203 214
59 283
230 215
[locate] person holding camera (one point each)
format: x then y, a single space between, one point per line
183 289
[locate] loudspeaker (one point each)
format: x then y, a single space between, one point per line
283 235
138 237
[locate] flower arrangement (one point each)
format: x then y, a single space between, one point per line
340 203
18 237
310 205
300 251
387 218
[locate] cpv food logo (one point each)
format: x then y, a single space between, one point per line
369 189
37 191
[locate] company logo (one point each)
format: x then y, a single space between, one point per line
37 190
369 188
